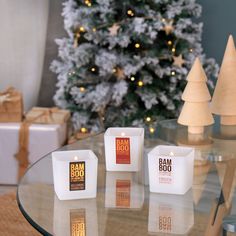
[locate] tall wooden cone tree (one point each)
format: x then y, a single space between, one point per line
224 97
196 111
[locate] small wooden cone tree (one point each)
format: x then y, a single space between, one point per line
196 111
224 97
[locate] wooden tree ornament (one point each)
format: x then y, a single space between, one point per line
196 111
224 97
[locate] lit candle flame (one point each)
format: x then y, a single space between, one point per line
171 154
76 158
123 134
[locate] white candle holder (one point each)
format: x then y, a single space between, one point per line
170 214
75 174
170 169
124 148
123 191
75 217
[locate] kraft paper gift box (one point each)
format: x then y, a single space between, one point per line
75 217
43 139
123 191
170 214
11 105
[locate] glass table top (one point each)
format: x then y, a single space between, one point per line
132 209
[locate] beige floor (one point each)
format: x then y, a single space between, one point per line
7 189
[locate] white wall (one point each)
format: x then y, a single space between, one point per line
23 29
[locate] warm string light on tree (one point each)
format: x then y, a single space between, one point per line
132 78
137 45
82 89
151 130
130 13
140 83
88 3
83 130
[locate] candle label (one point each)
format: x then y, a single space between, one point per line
123 193
122 151
78 222
165 170
77 175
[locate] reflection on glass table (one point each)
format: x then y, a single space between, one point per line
124 205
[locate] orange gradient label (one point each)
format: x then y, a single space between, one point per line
122 151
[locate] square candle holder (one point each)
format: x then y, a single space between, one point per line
124 149
123 191
75 174
170 169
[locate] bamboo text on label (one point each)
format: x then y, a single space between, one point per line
165 170
122 151
77 175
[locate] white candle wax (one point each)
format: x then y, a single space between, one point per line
123 191
170 214
75 174
124 148
170 169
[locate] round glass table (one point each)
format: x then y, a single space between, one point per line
124 205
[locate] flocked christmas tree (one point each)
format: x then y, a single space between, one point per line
125 62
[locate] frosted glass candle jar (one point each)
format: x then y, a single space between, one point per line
123 191
124 149
75 174
170 214
170 169
75 218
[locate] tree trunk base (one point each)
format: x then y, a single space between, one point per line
196 129
228 120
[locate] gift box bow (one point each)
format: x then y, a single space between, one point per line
47 115
9 95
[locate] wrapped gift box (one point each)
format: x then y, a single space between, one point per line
43 138
11 106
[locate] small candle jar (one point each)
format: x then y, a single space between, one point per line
124 148
170 169
75 217
75 174
170 214
123 191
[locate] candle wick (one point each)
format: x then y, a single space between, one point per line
171 154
